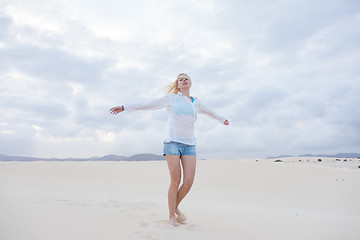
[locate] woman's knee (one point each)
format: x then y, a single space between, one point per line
188 182
175 181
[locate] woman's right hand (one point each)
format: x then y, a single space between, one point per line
116 110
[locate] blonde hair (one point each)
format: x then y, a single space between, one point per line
174 87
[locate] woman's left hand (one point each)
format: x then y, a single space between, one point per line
116 110
226 122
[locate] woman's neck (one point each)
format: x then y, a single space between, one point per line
185 92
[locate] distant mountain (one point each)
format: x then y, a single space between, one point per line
110 158
146 157
338 155
137 157
281 156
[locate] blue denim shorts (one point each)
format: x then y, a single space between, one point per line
180 149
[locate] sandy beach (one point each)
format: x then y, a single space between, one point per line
230 199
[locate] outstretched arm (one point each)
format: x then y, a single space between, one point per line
206 110
152 105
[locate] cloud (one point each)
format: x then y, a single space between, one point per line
284 73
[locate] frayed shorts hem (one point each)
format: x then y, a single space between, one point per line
179 149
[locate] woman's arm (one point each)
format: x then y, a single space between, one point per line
206 110
152 105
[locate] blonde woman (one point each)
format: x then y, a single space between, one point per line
179 144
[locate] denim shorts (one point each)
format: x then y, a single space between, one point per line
180 149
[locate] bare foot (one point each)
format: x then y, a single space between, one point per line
173 221
180 216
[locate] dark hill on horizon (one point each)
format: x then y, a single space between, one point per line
151 157
136 157
338 155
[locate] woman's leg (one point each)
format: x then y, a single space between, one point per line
189 166
173 162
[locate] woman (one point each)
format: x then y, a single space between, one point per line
179 144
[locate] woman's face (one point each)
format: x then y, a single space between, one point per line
184 82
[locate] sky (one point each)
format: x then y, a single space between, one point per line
286 75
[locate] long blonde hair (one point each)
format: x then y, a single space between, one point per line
174 87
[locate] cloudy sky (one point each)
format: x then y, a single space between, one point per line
285 74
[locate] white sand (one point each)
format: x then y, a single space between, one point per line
230 199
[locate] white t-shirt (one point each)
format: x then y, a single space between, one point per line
182 114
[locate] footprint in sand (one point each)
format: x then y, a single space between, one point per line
144 224
165 225
149 237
